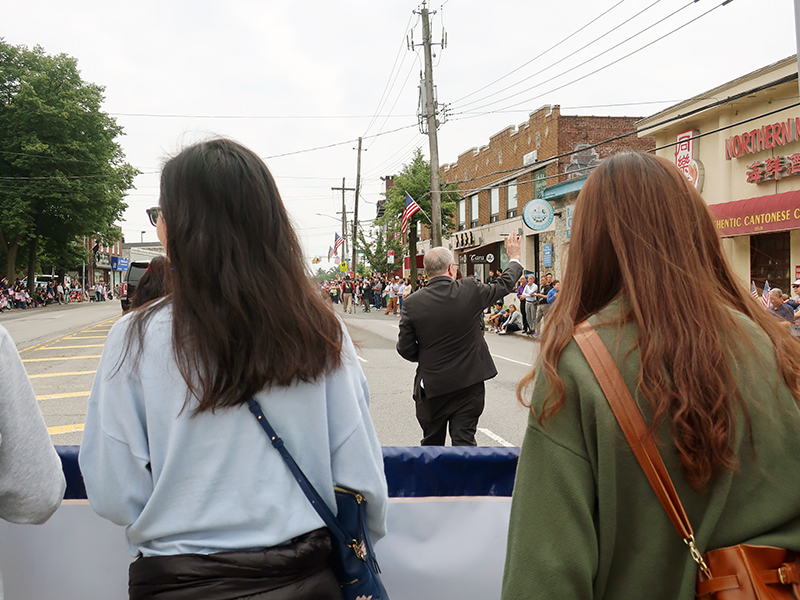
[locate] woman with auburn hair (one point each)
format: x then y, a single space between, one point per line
171 450
717 381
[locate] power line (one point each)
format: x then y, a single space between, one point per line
65 177
387 89
593 72
728 100
596 56
553 47
179 116
399 95
337 143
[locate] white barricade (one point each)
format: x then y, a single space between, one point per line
438 547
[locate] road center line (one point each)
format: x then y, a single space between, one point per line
59 358
65 428
62 374
64 395
495 437
519 362
71 347
88 337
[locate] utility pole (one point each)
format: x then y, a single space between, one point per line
430 116
355 208
344 215
797 28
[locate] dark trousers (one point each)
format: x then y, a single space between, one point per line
460 408
524 316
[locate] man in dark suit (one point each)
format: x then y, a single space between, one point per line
440 329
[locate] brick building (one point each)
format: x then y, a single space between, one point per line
546 157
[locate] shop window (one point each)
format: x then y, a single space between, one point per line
770 260
494 205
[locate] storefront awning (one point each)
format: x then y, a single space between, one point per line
482 255
565 188
777 212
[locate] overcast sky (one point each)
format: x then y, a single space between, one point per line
289 77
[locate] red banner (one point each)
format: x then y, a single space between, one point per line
777 212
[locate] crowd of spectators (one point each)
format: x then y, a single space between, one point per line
386 292
16 296
379 292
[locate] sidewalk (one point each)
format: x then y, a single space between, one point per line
380 313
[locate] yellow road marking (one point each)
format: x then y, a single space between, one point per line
65 428
65 395
62 374
71 347
58 358
87 337
58 339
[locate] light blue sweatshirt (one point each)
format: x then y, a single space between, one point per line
213 482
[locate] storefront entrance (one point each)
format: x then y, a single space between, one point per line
770 260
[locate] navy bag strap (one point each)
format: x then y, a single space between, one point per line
308 489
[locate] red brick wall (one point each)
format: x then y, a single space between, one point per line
557 134
578 130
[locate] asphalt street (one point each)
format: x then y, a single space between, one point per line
61 345
391 379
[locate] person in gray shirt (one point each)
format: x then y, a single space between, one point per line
32 482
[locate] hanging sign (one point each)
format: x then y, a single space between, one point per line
547 250
538 214
685 158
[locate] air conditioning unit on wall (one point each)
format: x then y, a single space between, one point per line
530 158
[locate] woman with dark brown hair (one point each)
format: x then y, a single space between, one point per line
153 282
171 450
717 381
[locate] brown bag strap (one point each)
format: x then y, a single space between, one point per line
634 427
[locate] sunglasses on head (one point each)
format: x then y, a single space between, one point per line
153 214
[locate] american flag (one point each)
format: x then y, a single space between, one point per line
337 243
408 212
330 255
765 295
753 290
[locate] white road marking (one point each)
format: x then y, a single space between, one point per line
361 359
495 437
519 362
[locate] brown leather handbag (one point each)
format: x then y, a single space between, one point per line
734 573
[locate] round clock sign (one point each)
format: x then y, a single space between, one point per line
538 214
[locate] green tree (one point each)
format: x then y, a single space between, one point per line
322 274
376 249
415 178
62 174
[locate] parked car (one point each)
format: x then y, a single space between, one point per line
132 277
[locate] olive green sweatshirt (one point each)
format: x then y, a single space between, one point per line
585 522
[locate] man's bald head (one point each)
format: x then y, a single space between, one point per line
437 261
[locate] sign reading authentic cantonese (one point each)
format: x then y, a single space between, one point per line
686 158
538 214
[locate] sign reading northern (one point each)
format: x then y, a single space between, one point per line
763 138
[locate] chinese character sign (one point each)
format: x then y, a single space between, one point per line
686 161
773 169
